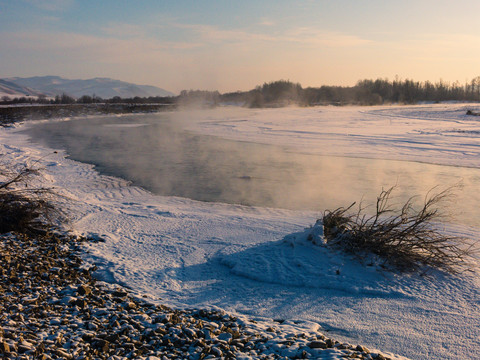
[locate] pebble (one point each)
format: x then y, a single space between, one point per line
318 344
53 308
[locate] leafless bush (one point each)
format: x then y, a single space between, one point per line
23 208
473 113
405 239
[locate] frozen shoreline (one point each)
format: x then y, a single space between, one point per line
241 259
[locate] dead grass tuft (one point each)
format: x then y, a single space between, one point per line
405 239
23 208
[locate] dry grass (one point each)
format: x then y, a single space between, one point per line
405 239
23 208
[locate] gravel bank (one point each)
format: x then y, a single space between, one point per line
52 308
15 113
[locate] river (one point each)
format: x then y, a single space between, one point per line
155 152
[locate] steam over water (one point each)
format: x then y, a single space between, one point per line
153 151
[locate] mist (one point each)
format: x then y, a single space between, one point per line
155 152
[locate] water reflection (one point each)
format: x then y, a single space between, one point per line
154 152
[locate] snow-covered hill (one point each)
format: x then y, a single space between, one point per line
102 87
11 89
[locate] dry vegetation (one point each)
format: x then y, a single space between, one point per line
22 208
404 239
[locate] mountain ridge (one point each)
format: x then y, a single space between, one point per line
52 85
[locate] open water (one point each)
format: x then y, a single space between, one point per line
154 152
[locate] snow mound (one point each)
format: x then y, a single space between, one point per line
301 259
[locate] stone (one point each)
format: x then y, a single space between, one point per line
63 354
84 290
102 345
119 293
317 344
216 351
190 333
4 347
225 336
330 343
362 349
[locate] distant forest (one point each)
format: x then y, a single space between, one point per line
365 92
284 93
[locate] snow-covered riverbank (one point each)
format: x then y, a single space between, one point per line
255 261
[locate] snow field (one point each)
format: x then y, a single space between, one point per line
257 262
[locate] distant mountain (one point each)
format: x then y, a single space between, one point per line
101 87
8 88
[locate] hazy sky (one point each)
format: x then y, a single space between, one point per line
236 45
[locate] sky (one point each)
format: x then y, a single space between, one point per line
236 45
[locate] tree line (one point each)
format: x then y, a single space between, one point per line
284 92
65 99
365 92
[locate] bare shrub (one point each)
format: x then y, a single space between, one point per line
405 239
23 208
473 113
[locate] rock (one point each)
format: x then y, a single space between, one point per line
318 344
119 293
24 348
84 290
362 349
190 333
63 354
112 337
216 351
4 347
130 305
102 345
225 336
